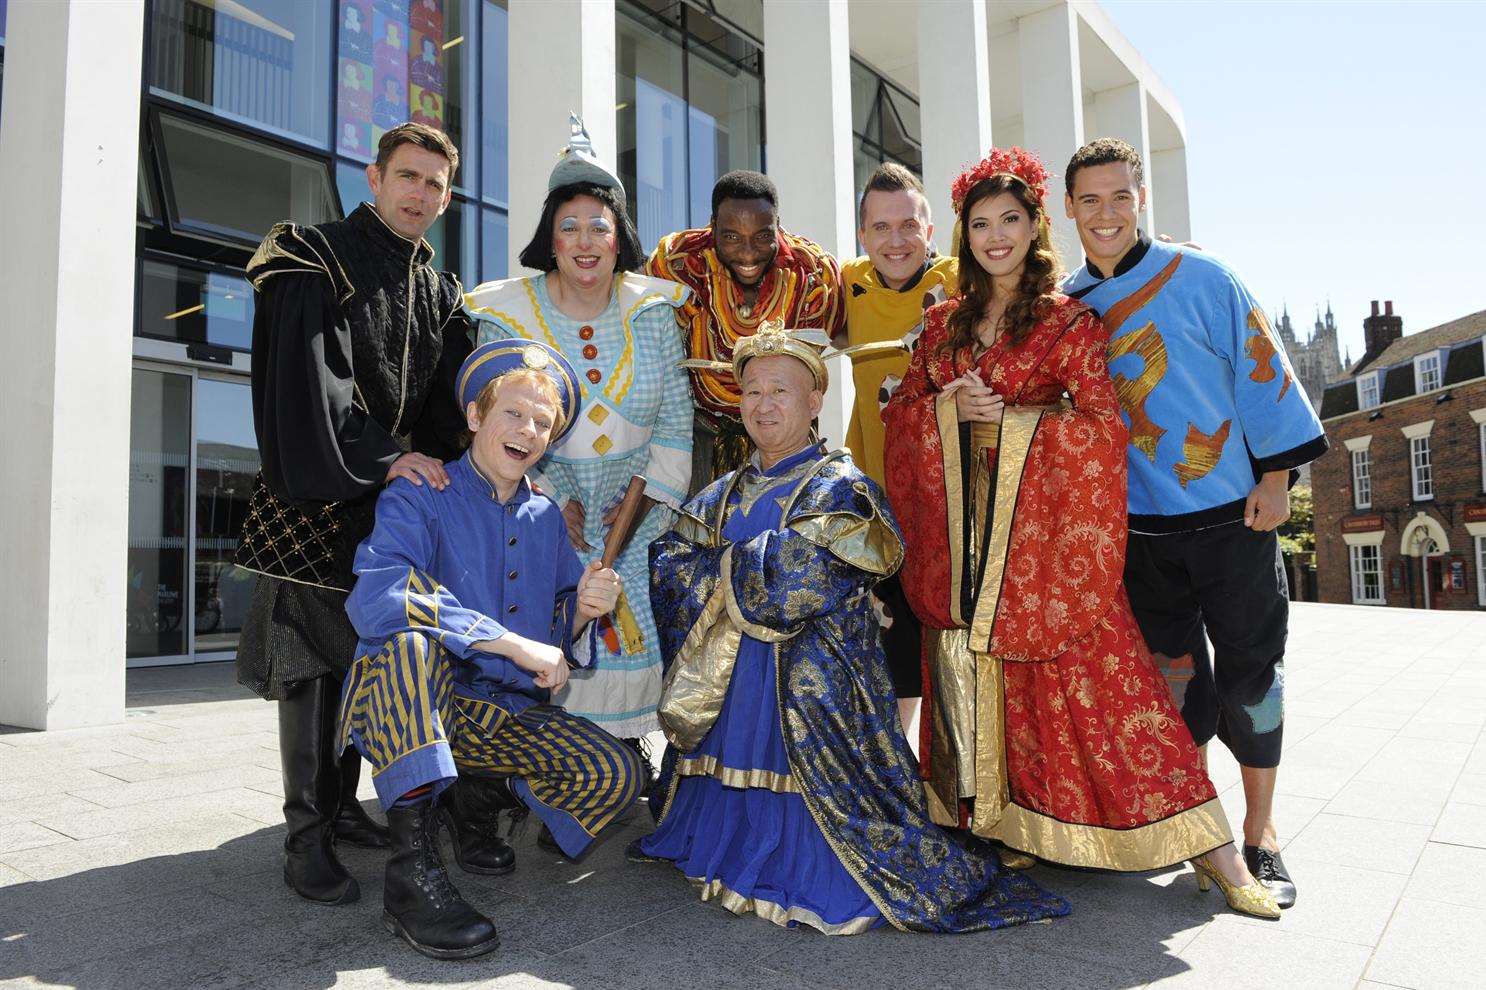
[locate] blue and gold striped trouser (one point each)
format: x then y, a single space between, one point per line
399 708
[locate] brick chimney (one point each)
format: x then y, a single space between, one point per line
1379 330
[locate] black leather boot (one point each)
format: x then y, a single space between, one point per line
419 902
352 823
312 793
472 808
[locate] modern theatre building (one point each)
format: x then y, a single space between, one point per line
147 145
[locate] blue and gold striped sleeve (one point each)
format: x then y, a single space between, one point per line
395 591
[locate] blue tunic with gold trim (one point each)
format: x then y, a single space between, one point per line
794 795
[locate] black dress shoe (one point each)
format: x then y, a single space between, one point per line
1270 870
312 794
548 841
472 808
635 854
352 824
419 902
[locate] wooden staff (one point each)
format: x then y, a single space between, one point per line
626 520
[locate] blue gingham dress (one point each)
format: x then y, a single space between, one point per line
636 420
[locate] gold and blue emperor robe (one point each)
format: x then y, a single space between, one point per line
793 794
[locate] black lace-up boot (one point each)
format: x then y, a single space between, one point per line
419 902
472 808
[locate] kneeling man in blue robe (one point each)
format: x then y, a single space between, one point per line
792 793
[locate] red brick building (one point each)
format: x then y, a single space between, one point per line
1401 494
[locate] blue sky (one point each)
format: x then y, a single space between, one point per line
1334 149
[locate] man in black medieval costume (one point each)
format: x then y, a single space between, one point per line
356 343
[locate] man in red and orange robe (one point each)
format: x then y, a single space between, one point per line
742 269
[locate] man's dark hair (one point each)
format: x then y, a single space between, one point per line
429 138
538 252
1104 151
889 177
743 184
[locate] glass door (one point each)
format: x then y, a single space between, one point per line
193 457
159 468
226 463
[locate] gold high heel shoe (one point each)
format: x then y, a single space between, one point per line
1252 899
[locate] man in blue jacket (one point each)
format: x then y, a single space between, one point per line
1217 426
470 605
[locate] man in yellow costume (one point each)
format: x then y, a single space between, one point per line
887 291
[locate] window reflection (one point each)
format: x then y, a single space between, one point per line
455 239
228 185
250 60
495 235
494 137
159 457
226 463
652 127
195 306
689 110
885 122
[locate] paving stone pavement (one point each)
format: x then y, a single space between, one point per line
146 855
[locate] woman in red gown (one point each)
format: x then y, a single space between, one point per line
1046 725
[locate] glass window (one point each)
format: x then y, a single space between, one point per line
400 60
1367 578
1367 391
351 186
147 205
1482 429
651 123
226 463
689 109
1481 571
260 62
1426 373
455 239
1361 479
724 125
195 306
230 186
159 458
495 236
885 121
494 122
1422 469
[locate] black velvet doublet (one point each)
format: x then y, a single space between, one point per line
356 344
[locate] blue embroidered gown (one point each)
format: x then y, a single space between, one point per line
767 824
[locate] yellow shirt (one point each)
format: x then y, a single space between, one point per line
874 312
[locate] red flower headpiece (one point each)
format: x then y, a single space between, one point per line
1015 161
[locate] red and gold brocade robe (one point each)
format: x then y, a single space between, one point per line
1046 723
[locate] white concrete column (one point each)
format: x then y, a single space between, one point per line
1121 113
561 59
1168 173
954 94
809 147
1052 106
69 147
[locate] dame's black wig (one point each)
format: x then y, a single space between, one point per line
538 252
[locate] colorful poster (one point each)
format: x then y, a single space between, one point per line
424 67
428 107
391 69
356 25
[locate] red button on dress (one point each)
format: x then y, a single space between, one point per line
594 376
590 352
586 333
